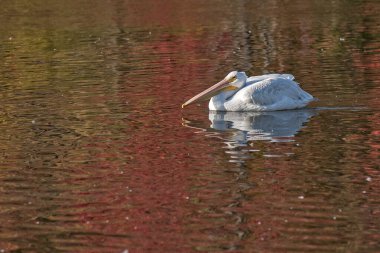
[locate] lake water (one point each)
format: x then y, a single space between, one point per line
98 156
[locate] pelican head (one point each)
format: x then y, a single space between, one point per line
232 82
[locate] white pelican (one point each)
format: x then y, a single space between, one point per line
237 92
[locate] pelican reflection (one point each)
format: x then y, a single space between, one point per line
238 130
270 126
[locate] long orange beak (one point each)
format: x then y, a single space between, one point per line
223 85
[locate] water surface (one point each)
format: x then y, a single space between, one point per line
98 156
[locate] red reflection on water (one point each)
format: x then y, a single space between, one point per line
150 204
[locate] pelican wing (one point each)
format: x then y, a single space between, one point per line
255 79
277 92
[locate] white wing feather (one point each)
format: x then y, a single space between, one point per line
254 79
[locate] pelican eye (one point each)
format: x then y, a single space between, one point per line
233 79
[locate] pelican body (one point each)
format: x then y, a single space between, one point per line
237 92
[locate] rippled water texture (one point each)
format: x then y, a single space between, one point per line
98 156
